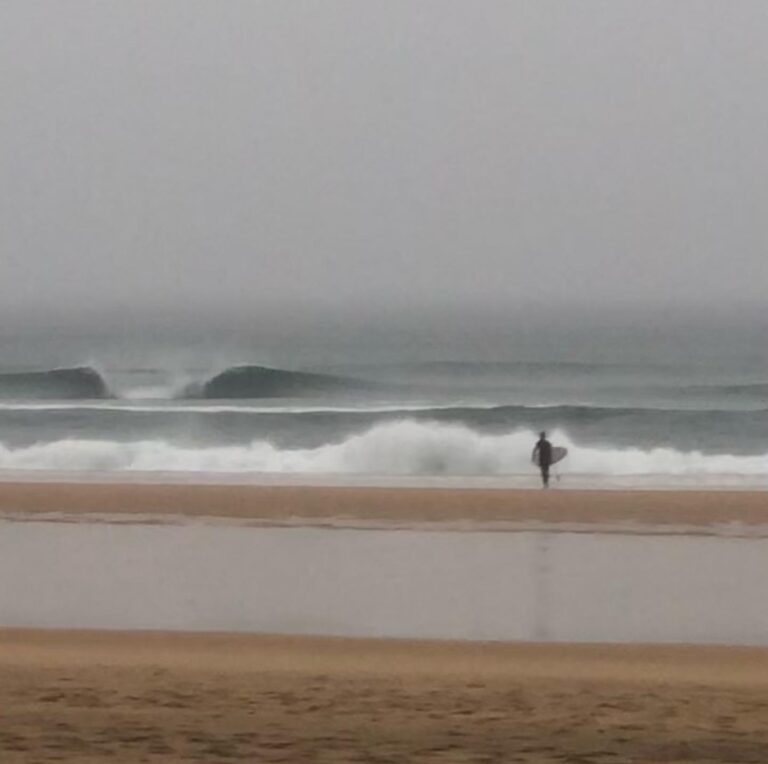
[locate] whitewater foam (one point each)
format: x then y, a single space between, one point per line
405 447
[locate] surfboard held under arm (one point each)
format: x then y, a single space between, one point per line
558 454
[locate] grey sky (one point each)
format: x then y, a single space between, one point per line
200 154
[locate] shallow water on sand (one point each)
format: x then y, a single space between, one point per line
543 585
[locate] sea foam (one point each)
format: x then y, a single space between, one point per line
404 447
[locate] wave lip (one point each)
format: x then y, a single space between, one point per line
76 383
250 381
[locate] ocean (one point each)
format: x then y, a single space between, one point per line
99 403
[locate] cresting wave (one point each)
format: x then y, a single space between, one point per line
79 382
403 447
264 382
244 382
236 382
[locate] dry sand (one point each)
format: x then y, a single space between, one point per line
151 697
321 503
89 697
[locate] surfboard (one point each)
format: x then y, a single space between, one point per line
558 454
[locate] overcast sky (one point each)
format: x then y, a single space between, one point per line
195 155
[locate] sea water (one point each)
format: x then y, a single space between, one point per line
635 409
543 585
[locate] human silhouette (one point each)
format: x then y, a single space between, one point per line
542 455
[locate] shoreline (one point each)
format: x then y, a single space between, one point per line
677 511
506 482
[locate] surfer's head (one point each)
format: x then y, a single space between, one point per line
543 435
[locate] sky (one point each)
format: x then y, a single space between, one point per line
188 156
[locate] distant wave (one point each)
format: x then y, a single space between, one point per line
626 425
470 414
404 447
512 368
255 382
237 382
247 381
758 389
80 382
189 406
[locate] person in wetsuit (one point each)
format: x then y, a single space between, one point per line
542 453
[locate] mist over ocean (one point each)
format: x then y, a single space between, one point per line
384 239
422 396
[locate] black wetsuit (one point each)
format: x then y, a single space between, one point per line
544 451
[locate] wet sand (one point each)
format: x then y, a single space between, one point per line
389 504
125 697
91 697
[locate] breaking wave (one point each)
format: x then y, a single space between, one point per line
236 382
404 447
79 382
266 382
254 382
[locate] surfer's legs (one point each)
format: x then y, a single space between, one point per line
545 475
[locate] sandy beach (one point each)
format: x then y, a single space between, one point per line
101 696
156 697
317 504
383 382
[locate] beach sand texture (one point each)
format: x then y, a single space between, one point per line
282 503
91 697
124 697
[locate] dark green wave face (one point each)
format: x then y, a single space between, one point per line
58 384
254 382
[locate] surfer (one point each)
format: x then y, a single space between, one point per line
542 455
